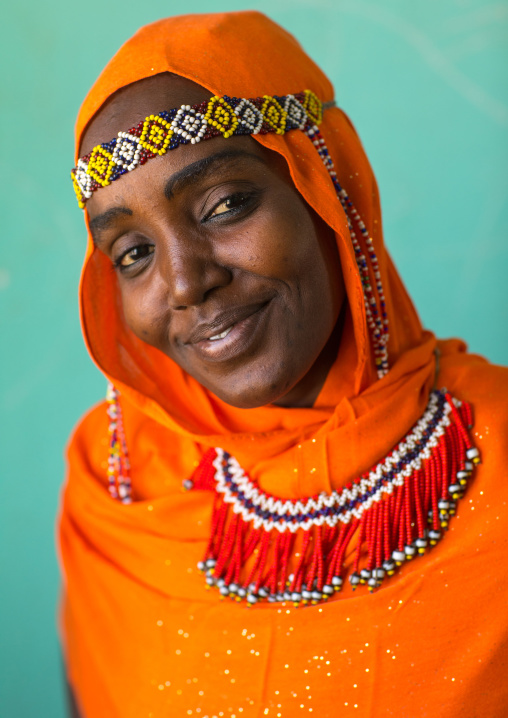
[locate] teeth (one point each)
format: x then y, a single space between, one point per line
220 336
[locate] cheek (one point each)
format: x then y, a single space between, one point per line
142 312
279 242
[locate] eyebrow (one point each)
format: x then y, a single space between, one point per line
201 169
197 171
106 219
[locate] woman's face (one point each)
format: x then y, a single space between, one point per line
220 262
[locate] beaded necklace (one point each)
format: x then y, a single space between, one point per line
265 547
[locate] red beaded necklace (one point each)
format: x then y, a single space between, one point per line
265 547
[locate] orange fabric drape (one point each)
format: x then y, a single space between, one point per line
142 636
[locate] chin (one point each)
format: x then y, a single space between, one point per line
244 400
247 396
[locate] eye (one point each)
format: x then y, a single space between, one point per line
133 255
234 202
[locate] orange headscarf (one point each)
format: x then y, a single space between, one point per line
142 637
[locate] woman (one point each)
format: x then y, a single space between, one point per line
265 356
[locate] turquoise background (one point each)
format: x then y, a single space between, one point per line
426 85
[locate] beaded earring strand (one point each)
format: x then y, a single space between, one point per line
119 482
377 318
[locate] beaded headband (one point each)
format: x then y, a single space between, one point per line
156 134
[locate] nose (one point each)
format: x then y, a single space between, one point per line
191 270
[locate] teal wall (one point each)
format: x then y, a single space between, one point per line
426 84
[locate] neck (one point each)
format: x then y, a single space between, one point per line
306 391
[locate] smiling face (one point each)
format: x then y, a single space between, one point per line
221 264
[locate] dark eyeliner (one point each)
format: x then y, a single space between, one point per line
117 263
249 197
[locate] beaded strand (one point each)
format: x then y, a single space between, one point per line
119 482
377 318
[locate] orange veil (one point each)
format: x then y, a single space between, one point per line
141 635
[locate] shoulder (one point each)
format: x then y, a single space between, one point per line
485 387
92 424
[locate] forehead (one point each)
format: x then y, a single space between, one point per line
134 102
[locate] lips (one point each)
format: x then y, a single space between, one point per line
222 322
229 334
